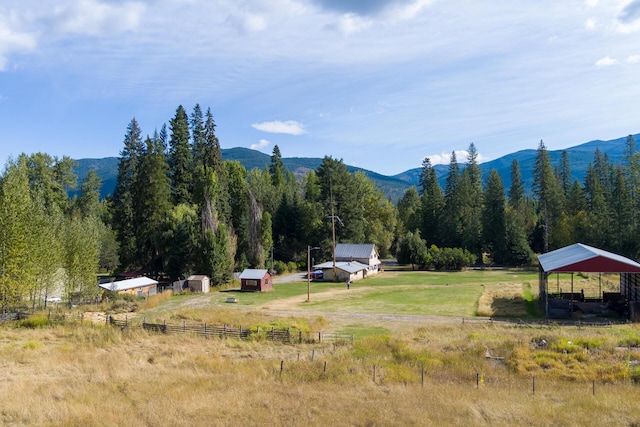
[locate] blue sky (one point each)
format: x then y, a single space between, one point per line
381 84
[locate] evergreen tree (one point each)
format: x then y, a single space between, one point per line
238 192
494 219
598 208
453 212
621 209
472 204
432 205
632 170
123 196
516 191
564 173
179 233
152 203
545 187
276 168
180 158
198 137
518 252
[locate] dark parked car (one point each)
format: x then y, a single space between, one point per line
316 274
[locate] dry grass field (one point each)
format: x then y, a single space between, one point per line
84 373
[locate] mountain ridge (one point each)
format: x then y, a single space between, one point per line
580 156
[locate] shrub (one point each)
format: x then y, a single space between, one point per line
33 322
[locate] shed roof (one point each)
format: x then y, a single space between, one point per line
253 274
198 277
122 285
583 258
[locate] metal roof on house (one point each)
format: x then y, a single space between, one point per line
583 258
354 251
253 274
122 285
349 267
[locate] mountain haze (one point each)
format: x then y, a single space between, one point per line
394 186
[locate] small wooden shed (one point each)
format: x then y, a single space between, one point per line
199 283
255 280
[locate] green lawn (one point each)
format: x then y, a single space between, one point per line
405 292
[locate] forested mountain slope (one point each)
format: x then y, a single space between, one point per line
394 186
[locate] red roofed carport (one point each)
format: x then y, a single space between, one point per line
580 258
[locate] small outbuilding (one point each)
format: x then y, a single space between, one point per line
140 286
198 283
254 280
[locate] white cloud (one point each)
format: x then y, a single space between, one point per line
409 11
350 23
290 127
592 3
461 158
96 18
607 61
633 59
590 24
13 39
263 143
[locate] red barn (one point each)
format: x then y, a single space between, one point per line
255 280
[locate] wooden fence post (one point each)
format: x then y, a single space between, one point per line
374 373
313 353
281 367
325 366
534 384
422 381
184 326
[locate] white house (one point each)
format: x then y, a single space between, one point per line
364 253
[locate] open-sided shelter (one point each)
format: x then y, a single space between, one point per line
255 280
580 258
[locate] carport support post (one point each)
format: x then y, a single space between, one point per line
572 293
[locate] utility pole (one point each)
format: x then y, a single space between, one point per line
333 232
309 271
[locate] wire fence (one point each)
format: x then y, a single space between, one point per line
547 323
225 331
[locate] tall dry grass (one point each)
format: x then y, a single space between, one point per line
96 375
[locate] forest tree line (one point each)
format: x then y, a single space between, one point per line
178 208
